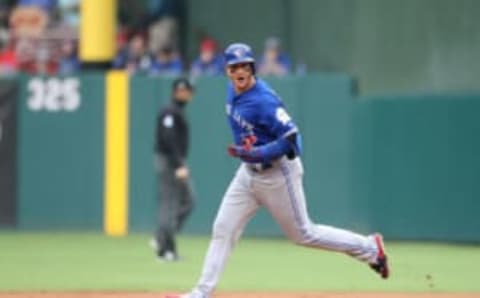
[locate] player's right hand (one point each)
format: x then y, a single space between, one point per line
238 151
233 150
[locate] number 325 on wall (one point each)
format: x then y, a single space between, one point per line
54 94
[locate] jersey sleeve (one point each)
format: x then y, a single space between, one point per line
275 117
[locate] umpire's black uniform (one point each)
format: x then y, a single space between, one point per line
171 148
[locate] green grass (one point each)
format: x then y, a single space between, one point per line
81 261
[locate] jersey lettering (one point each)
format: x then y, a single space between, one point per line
242 122
283 116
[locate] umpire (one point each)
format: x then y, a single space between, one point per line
171 149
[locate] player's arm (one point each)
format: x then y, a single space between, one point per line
285 145
287 142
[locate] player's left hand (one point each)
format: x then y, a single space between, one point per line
247 155
247 145
248 142
243 150
246 152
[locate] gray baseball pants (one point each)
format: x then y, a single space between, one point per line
280 190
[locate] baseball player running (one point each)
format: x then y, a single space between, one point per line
268 143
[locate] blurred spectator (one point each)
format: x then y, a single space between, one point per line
157 17
25 52
273 62
157 9
209 61
121 40
162 21
135 58
44 62
69 12
33 56
8 58
28 21
139 15
68 62
167 63
163 33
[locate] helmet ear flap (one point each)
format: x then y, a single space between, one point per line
252 66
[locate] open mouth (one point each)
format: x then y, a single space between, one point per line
240 80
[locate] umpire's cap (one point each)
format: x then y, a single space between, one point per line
238 53
182 83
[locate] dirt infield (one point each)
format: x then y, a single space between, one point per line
237 295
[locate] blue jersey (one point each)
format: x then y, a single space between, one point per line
259 112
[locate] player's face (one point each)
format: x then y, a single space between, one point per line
241 75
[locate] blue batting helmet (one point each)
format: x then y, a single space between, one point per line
238 53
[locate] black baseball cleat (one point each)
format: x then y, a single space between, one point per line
381 264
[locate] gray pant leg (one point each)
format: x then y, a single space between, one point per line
237 208
186 202
282 194
169 205
176 203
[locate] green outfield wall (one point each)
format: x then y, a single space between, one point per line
60 157
416 165
405 165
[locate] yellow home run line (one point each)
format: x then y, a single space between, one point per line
116 153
